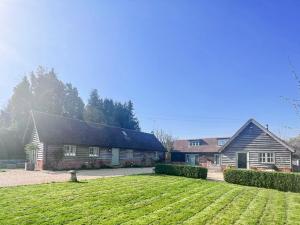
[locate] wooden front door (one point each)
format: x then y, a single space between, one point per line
242 160
115 158
32 156
191 159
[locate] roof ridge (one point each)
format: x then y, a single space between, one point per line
89 122
253 121
201 138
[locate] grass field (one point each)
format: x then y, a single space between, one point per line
147 199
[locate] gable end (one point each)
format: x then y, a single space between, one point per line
253 130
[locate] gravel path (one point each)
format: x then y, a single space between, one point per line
216 176
21 177
18 177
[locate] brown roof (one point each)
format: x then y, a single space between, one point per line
207 145
54 129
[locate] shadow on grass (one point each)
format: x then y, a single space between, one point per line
78 182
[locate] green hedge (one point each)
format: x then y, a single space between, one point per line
181 170
273 180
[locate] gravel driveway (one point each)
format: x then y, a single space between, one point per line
216 176
21 177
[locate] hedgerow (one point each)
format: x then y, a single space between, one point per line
181 170
274 180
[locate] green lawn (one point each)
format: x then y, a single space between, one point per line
147 199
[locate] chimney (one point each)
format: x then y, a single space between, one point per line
267 126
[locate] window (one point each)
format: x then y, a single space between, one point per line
156 155
266 157
191 159
195 142
216 159
130 154
70 150
222 142
93 151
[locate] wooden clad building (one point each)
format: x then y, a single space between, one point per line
252 147
255 147
64 143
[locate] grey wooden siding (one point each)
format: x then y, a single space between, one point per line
82 155
254 140
35 140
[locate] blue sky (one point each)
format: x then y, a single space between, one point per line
192 68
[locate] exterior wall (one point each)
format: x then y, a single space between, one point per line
202 159
254 141
39 155
83 160
177 157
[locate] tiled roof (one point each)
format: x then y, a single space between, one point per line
54 129
207 145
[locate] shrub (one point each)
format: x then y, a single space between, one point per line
181 170
273 180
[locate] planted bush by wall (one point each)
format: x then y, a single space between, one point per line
181 170
274 180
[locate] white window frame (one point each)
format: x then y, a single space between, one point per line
222 142
156 155
195 142
93 151
70 150
217 162
130 154
266 157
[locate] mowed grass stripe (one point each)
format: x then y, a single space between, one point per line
252 214
112 212
172 198
60 190
234 209
147 199
70 190
75 204
72 193
293 208
276 211
208 213
195 205
266 208
158 212
116 211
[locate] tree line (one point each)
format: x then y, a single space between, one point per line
43 91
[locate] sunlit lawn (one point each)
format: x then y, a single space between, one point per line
147 199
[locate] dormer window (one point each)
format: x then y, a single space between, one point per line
195 142
222 142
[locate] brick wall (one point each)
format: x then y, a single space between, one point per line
127 158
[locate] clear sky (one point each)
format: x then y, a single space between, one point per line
193 68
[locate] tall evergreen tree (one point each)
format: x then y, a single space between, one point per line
124 116
94 108
20 105
120 115
48 91
133 121
109 111
5 118
73 106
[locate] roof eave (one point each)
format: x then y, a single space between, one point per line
262 128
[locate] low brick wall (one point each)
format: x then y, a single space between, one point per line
39 165
287 169
12 164
94 164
